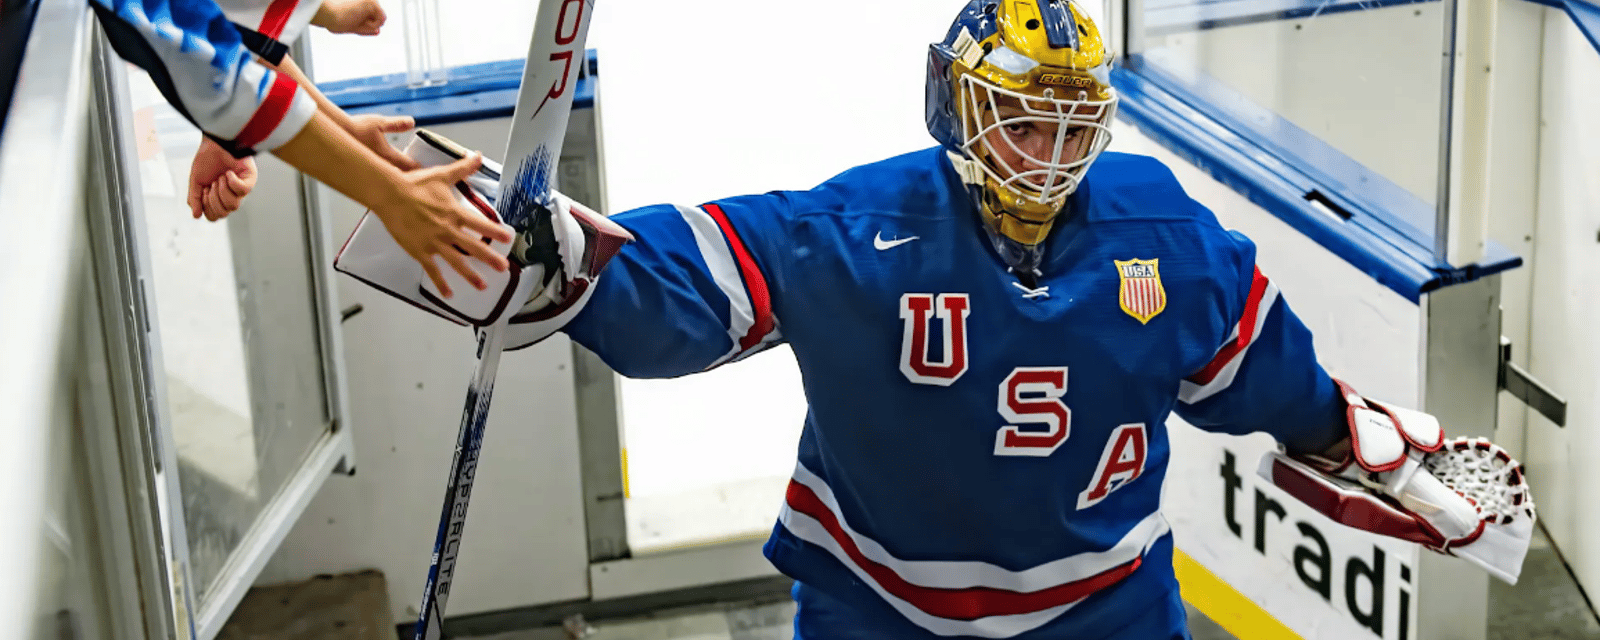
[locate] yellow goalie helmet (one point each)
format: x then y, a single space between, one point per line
1019 93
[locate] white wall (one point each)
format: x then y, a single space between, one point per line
1564 303
1381 106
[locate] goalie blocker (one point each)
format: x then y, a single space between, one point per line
1464 497
556 260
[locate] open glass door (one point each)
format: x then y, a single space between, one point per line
224 358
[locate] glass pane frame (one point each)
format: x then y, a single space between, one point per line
160 507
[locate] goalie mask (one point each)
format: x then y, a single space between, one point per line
1019 94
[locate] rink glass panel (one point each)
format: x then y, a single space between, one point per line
245 391
1365 78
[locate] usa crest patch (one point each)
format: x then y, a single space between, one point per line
1141 294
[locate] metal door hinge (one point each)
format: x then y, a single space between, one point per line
1518 382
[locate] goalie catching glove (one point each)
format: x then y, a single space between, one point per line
555 261
1464 497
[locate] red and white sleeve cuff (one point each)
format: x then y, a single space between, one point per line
282 20
300 110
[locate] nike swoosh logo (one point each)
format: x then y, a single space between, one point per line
881 244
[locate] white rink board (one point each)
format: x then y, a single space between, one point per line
1249 534
1366 335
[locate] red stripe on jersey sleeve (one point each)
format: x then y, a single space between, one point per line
956 604
1247 332
271 112
277 17
754 282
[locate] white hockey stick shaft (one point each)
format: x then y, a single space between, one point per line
538 127
463 469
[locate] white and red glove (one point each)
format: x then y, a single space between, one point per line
1464 497
563 251
555 261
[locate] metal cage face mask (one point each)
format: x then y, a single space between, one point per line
1036 146
1019 93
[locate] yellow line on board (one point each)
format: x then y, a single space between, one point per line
1225 606
626 489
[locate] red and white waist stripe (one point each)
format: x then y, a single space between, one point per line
969 598
1219 373
751 325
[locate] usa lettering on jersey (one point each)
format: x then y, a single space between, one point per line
1037 419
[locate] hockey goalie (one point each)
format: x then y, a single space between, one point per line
992 333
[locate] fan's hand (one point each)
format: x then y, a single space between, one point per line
428 221
372 130
218 182
361 17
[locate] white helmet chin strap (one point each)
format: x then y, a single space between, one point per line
970 171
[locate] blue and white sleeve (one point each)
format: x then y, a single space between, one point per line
1265 376
691 293
197 58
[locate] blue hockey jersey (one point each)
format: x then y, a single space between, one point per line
980 458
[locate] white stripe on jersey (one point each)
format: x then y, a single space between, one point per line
808 529
767 342
724 270
1190 393
934 574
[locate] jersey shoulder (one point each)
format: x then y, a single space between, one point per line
918 184
1137 207
1128 187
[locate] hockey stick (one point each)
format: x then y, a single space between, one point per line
538 127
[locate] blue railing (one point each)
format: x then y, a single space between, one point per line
470 92
1583 13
